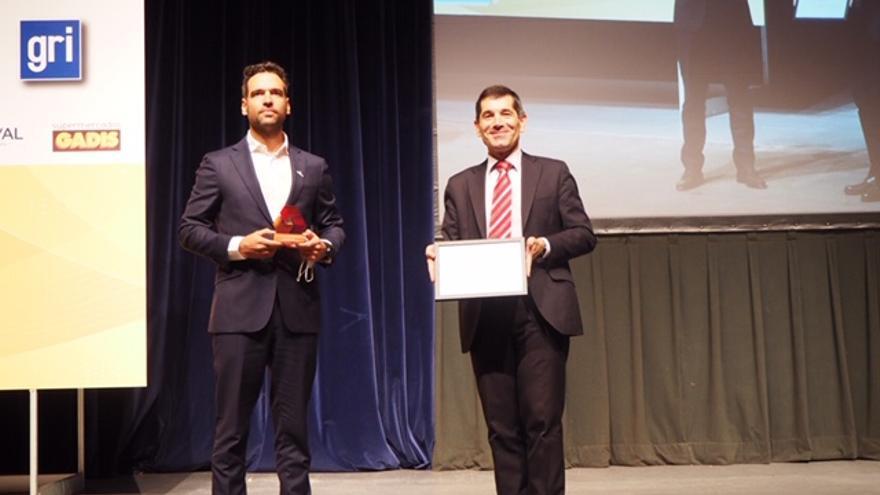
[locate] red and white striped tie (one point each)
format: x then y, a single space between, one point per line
501 218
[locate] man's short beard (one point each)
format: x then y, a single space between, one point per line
267 129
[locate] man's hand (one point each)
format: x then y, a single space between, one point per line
535 246
534 250
259 245
314 249
430 256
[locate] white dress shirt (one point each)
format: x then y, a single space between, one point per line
515 175
492 175
275 177
273 173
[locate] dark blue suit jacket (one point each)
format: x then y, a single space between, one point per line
226 201
551 208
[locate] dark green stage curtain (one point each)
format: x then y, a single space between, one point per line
705 349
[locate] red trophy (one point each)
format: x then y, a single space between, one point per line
290 225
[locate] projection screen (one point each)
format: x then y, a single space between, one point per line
601 84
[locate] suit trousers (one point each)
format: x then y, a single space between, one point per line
869 117
519 363
693 116
696 79
240 362
866 95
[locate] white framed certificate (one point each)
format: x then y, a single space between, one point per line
480 268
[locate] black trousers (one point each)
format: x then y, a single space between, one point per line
707 56
519 363
693 118
240 361
869 117
866 95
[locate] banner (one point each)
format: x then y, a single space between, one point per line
72 195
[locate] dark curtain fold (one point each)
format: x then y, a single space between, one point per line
709 349
361 94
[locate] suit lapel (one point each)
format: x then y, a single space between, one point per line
241 159
477 193
531 174
297 174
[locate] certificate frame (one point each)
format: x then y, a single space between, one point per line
480 268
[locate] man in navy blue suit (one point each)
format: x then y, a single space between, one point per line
519 345
265 311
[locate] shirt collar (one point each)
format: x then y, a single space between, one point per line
257 147
514 159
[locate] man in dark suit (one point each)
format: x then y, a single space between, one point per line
865 19
519 345
716 44
265 311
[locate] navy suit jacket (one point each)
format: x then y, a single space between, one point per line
551 208
226 201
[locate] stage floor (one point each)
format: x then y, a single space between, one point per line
825 478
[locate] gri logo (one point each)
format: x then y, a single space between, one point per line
51 50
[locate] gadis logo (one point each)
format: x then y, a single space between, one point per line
86 140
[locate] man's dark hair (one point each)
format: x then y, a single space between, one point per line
499 91
266 66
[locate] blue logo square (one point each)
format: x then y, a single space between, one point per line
51 50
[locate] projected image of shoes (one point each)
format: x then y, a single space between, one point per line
689 180
862 187
872 193
750 178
